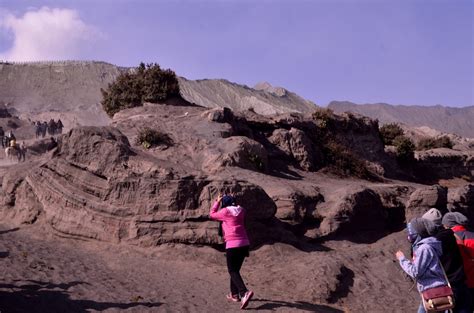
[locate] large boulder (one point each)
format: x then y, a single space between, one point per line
99 149
445 163
238 151
296 145
422 199
355 211
361 214
462 200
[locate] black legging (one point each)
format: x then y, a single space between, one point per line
235 258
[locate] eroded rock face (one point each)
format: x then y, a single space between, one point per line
245 153
445 163
422 199
90 189
96 185
296 146
359 210
99 149
363 211
462 200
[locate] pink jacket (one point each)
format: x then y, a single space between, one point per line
232 226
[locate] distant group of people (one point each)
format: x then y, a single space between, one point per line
442 261
7 139
9 142
51 128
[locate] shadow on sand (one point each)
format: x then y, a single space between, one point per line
37 296
298 305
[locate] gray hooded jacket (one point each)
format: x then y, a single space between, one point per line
425 267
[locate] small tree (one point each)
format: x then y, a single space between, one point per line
148 138
323 116
343 162
405 149
149 83
389 132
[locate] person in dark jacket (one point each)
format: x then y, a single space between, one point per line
465 240
451 260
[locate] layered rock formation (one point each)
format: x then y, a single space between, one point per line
99 184
446 163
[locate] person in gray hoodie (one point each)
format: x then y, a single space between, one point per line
425 267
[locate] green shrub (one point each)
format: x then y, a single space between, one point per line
432 143
323 116
405 149
149 83
149 138
343 162
257 162
389 132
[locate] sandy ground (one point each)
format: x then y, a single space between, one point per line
44 273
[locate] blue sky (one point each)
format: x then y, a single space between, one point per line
398 52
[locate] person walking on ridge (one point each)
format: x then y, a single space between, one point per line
237 244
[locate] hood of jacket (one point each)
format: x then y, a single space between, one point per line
434 243
234 210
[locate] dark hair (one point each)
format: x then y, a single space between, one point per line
228 201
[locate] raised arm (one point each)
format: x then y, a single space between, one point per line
214 213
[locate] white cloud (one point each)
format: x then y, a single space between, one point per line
47 34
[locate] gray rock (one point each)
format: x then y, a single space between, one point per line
462 200
422 199
297 146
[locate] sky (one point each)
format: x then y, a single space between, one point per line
408 52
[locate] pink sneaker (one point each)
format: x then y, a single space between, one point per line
233 298
245 299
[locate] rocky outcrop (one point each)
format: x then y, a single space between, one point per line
361 135
422 199
90 189
243 152
297 147
443 163
81 146
461 200
362 214
98 183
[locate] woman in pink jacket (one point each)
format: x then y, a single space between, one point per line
237 244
